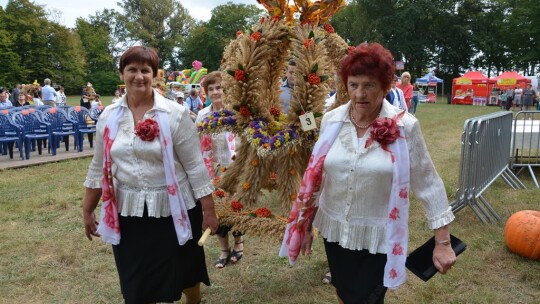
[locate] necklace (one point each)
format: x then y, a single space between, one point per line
357 124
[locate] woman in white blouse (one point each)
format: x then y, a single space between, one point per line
359 178
116 97
157 196
220 156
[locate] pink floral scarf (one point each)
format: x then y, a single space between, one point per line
109 227
305 207
207 147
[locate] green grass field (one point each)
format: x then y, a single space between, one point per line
45 257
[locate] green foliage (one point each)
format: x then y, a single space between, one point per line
207 40
161 24
105 82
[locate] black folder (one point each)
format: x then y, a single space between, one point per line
420 261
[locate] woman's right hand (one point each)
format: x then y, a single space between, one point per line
305 248
90 224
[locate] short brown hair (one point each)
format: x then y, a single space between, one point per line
370 59
140 54
211 78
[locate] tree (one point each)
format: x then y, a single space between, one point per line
66 58
11 71
161 24
28 25
208 39
98 46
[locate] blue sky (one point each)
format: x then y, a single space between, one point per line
71 10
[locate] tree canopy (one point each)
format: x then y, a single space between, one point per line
448 36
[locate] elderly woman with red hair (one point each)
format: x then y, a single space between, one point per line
355 190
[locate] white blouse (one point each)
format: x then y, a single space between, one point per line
138 169
357 182
220 148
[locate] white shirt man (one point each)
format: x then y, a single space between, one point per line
4 101
48 93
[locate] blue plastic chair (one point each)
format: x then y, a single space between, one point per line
10 134
32 127
61 128
83 116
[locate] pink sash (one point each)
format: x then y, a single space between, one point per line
109 226
305 207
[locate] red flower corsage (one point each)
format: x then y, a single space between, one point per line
385 131
147 129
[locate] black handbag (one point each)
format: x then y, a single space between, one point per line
420 261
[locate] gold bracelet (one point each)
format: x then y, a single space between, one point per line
443 242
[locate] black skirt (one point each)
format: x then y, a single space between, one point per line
356 274
152 266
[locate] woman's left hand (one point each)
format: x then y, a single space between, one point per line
444 257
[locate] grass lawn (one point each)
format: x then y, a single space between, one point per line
45 257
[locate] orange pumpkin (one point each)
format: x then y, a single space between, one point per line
522 233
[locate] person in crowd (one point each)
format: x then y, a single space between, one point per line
96 103
502 99
116 97
194 101
218 152
528 98
15 93
158 198
61 97
369 157
4 101
287 88
518 102
396 97
509 98
415 99
22 101
180 100
85 102
48 94
407 88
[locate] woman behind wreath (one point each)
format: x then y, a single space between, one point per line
157 196
355 189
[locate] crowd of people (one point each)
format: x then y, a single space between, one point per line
519 99
32 94
154 174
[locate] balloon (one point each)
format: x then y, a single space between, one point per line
196 65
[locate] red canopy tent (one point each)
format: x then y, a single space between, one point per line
471 88
511 79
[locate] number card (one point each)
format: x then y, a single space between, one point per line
308 121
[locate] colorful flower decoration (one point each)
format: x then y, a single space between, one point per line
236 206
256 36
263 212
220 119
219 193
244 111
385 131
147 129
329 28
246 185
238 74
275 111
309 42
257 134
313 79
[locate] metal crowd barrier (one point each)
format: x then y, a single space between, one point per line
485 143
526 143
